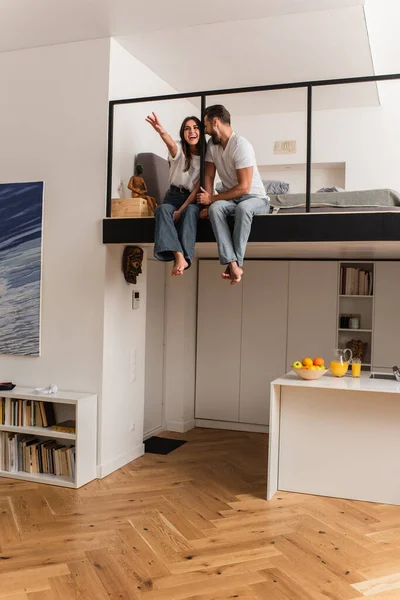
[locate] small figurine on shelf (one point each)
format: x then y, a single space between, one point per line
138 188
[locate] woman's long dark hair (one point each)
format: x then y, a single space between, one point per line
185 145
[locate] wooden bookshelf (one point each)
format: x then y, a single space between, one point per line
80 446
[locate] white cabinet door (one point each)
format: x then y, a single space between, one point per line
312 315
386 334
154 370
264 331
219 326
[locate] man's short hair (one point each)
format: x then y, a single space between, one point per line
217 111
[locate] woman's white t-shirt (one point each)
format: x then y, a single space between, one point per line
177 174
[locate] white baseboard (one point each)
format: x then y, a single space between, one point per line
180 426
119 461
156 431
231 426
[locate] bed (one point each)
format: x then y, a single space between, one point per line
382 200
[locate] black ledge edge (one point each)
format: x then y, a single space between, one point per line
326 227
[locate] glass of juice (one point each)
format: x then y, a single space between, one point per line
356 367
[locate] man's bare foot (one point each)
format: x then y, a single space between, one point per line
236 273
227 273
180 264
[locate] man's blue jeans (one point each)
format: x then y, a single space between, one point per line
179 237
232 247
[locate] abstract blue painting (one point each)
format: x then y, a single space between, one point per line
21 210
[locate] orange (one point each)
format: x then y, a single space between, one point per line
319 362
307 362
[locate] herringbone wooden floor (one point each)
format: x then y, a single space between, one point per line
194 525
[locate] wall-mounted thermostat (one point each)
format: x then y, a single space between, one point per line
135 300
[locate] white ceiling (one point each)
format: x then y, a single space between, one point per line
324 44
216 43
30 23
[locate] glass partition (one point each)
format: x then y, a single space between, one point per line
355 133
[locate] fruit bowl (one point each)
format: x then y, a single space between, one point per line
310 375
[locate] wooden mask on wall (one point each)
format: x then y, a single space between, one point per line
132 263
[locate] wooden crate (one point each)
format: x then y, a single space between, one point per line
129 207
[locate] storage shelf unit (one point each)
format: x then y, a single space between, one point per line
80 407
353 305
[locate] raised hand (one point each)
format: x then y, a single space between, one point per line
154 121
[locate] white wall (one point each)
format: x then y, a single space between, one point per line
121 427
323 175
366 139
125 329
129 78
53 123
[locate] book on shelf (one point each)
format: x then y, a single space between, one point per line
29 454
2 411
355 282
65 426
26 413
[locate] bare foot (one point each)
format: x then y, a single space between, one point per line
180 264
236 273
227 273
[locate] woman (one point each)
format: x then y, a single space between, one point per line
176 218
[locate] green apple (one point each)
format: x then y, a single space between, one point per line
297 365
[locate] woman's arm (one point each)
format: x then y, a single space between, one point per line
190 199
166 138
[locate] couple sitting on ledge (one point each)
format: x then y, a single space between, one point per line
242 195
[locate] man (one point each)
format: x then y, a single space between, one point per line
243 194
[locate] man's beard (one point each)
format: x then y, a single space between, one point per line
215 139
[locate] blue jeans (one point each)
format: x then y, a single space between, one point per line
179 237
232 247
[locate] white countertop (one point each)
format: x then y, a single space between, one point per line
328 381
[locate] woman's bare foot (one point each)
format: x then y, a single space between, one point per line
180 264
236 273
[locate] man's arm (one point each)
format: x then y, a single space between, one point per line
209 176
244 177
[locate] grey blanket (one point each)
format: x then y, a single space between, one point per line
355 199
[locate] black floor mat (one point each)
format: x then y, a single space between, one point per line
159 445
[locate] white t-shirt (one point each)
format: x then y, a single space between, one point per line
177 174
237 154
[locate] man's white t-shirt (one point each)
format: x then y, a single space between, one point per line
237 154
177 174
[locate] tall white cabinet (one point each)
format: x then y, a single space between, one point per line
219 326
312 315
241 341
251 333
263 336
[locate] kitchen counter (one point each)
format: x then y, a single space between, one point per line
336 436
328 381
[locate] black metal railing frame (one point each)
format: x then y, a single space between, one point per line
308 85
